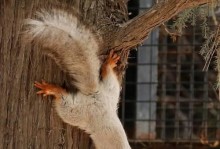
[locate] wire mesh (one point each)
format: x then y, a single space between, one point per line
187 109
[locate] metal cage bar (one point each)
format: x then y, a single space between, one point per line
187 106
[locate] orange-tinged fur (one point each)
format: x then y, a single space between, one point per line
111 62
50 89
47 89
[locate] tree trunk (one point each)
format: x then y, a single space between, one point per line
27 121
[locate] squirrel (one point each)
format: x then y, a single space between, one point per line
74 47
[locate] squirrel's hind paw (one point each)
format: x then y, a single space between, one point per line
47 89
111 62
112 59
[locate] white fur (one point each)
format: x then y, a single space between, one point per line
97 114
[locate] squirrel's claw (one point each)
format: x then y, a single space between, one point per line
45 88
112 59
49 89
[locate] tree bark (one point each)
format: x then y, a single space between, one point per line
26 120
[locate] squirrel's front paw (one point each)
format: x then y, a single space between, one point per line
112 59
49 89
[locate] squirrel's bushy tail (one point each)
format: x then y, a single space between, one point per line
70 44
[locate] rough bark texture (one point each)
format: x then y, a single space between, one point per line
26 121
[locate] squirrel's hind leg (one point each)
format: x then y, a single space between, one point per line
70 112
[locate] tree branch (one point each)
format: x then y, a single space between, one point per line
133 32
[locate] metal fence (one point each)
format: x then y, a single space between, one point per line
166 96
